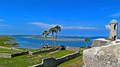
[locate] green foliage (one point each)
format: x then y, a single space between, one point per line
58 28
87 40
45 33
52 30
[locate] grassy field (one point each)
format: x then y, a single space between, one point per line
8 51
3 39
77 62
21 50
28 60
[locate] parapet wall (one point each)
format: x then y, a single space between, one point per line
52 62
105 56
100 42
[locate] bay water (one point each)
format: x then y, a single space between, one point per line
34 43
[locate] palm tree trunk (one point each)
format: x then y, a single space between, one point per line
86 44
53 39
56 38
45 39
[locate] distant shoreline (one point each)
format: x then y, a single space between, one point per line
49 38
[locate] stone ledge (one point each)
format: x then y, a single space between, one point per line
104 56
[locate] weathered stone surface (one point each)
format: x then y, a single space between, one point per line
100 42
5 55
105 56
52 62
113 30
72 48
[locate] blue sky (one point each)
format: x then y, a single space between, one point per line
76 17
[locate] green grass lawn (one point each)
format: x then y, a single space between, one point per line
21 50
29 60
9 51
77 62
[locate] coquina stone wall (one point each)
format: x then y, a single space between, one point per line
105 56
52 62
72 48
100 42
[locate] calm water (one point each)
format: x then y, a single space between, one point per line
33 43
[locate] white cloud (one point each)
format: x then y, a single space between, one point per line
86 28
107 26
1 20
44 26
115 15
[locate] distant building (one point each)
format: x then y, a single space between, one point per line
113 30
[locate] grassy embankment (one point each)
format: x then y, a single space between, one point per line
28 60
77 62
3 39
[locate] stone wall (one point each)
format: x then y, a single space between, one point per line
5 55
105 56
100 42
72 48
20 53
43 51
52 62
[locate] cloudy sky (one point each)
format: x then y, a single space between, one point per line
76 17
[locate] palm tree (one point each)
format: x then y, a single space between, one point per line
45 33
52 30
87 40
58 28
